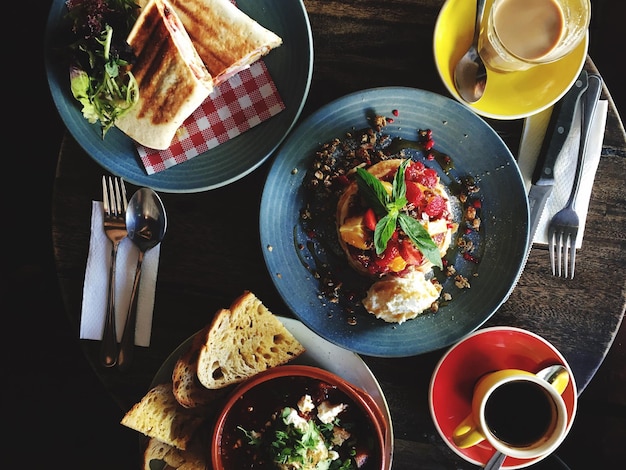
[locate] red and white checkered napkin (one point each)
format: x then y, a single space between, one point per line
236 105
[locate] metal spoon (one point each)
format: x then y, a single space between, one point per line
146 223
470 74
557 376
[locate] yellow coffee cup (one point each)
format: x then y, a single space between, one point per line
517 412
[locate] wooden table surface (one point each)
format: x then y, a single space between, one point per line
210 255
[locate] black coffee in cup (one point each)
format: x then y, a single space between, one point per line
519 413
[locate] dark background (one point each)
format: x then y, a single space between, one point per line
58 412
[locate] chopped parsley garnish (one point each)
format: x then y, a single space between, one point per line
300 446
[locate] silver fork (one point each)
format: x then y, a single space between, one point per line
563 228
114 205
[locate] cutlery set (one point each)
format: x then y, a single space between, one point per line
580 101
143 221
146 223
563 228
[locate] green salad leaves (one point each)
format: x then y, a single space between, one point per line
100 76
390 208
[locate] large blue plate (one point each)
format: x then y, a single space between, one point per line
291 67
476 150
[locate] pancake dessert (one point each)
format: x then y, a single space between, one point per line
395 230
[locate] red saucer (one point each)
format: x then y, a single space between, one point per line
481 352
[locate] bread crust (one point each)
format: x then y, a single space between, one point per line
155 450
159 415
187 389
179 416
242 341
195 457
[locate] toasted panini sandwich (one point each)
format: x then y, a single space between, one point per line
226 38
173 81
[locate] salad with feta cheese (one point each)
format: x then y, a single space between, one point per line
298 422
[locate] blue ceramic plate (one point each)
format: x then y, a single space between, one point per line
291 67
476 150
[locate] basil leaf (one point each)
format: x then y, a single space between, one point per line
384 230
373 191
399 185
390 208
421 238
397 204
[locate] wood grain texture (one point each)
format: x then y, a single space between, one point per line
211 252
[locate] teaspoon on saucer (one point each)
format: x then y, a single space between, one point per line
470 74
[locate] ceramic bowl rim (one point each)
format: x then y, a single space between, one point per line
359 396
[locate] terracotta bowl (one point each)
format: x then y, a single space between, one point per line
251 405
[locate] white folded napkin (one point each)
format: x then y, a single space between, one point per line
565 167
95 288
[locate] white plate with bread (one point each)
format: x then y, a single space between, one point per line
176 414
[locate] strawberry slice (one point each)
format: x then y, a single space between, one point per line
391 252
414 194
369 219
435 207
410 253
413 171
428 178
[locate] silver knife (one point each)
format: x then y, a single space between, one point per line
558 130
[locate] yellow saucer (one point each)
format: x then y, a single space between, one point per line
513 95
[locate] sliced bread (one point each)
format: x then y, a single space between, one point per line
241 342
197 455
159 415
155 450
188 390
193 458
